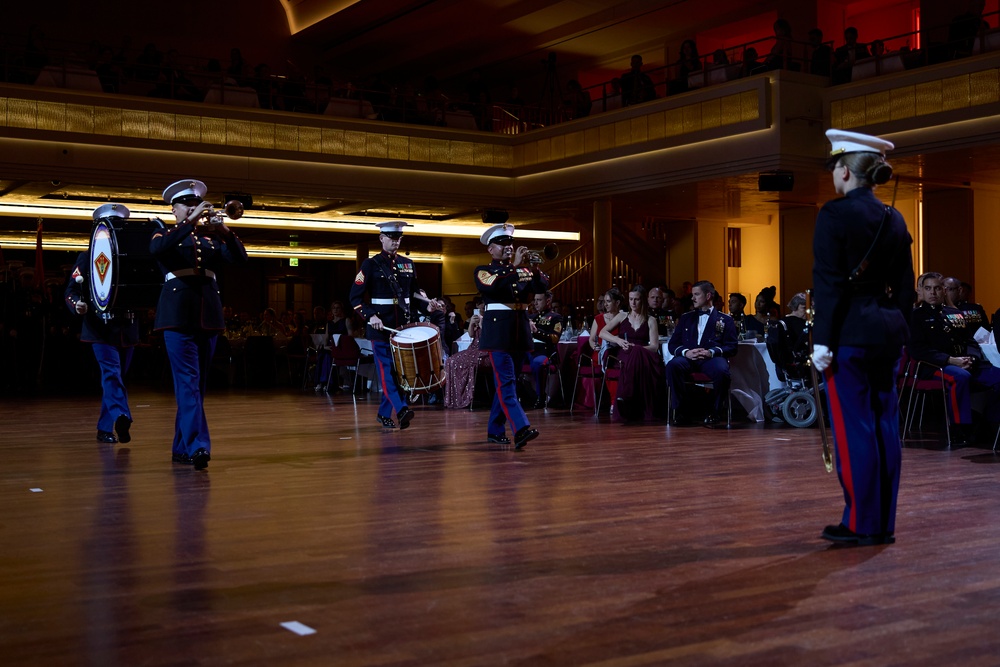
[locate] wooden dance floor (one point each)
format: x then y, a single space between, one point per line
599 544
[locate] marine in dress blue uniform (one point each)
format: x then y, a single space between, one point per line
546 328
112 341
944 337
390 280
506 285
189 312
863 283
703 341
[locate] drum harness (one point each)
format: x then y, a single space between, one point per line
386 269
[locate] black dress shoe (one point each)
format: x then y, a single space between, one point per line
122 425
498 439
539 403
181 458
386 422
106 436
524 436
404 417
201 458
841 534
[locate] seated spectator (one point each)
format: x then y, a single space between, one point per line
613 99
737 310
546 327
688 62
965 28
766 311
845 56
788 344
578 102
957 295
611 305
147 64
461 367
940 336
640 378
636 85
269 324
781 55
719 57
343 350
702 342
820 54
654 300
454 327
750 65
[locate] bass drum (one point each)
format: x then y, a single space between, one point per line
123 274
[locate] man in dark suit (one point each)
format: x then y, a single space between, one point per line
702 342
189 312
112 340
507 283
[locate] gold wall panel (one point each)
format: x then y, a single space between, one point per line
22 113
482 155
673 122
575 144
439 150
928 98
187 128
238 133
853 112
262 135
161 126
592 140
503 157
213 130
955 92
836 114
135 123
310 139
730 110
79 118
52 116
558 151
711 114
903 102
530 154
544 148
638 130
108 120
377 146
333 141
749 105
398 147
692 118
878 106
419 149
607 137
517 155
623 133
3 111
983 87
655 126
354 143
461 152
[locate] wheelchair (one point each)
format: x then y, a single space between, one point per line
796 401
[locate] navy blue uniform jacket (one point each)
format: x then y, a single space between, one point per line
385 276
861 313
500 282
719 336
192 303
120 331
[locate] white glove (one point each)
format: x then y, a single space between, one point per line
822 357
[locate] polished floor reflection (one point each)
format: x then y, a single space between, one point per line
599 544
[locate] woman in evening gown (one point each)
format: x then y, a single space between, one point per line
641 386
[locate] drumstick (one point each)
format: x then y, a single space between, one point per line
395 331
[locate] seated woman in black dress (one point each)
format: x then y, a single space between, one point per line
640 384
766 311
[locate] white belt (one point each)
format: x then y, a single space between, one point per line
387 302
505 306
184 273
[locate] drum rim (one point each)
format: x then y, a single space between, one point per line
106 305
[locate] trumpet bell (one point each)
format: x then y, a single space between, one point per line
548 253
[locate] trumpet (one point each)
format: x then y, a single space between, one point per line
546 254
232 210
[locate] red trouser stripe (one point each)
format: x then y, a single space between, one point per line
840 440
498 385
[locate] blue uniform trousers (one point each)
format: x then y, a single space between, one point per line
679 369
961 382
190 356
540 371
864 418
114 362
392 396
506 407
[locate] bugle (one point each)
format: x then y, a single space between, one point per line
546 254
232 210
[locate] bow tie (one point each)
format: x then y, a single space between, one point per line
704 313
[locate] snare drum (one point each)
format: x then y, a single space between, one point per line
416 353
